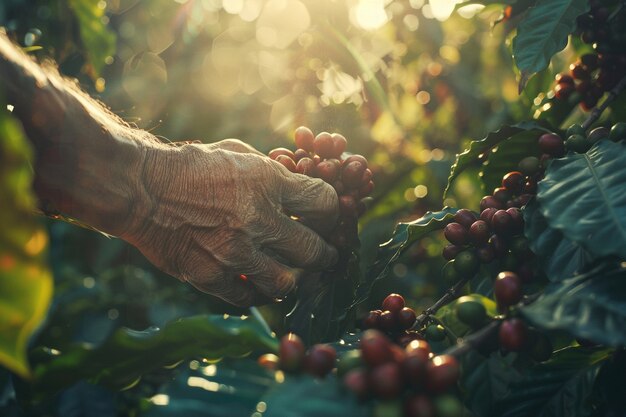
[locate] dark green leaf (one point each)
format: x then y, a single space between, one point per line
590 306
544 32
127 354
559 257
304 396
469 157
99 42
25 280
403 236
582 196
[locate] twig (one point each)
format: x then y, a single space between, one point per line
597 111
474 340
445 299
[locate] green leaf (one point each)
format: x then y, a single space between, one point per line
503 386
543 33
505 157
25 280
305 396
98 40
590 306
582 196
230 388
559 257
469 157
403 236
127 354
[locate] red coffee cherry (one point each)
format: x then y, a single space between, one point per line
300 153
352 173
372 320
348 206
393 302
507 289
304 138
442 372
367 176
328 170
502 194
291 353
465 217
563 91
366 190
287 162
375 348
513 181
489 201
357 381
564 79
306 166
323 145
388 322
419 405
451 251
518 219
513 335
355 157
415 362
455 233
479 232
499 245
487 214
485 254
320 360
406 318
274 153
386 380
502 223
339 144
552 144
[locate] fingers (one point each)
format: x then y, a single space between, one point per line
234 145
269 276
298 245
313 200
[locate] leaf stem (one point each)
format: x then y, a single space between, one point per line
597 111
474 340
445 299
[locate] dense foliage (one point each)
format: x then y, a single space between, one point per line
495 136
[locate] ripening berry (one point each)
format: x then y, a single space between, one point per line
502 223
513 181
466 263
352 173
442 372
485 254
372 320
386 380
487 215
552 144
323 145
465 217
304 138
393 302
375 348
451 251
320 360
291 353
405 318
456 233
388 322
339 144
490 201
502 194
479 232
306 166
300 153
507 289
357 381
513 335
328 170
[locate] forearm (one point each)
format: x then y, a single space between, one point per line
88 163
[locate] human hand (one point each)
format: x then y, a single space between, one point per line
214 212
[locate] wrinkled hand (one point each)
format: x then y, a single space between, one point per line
217 211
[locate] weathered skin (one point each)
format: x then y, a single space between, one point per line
202 213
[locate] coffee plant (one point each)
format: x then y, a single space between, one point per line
499 290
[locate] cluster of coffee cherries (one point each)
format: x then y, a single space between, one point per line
323 156
580 142
595 73
395 320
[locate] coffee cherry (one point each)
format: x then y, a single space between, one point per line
577 143
320 360
388 322
597 134
517 218
487 214
507 289
406 318
490 202
300 153
465 218
513 335
449 273
502 194
442 373
357 381
366 189
355 157
275 153
372 320
287 162
499 246
562 91
291 352
323 145
352 173
451 251
349 361
529 165
471 312
513 181
578 72
479 232
306 166
269 361
339 144
419 405
552 145
455 233
435 333
386 380
564 79
347 205
618 132
485 254
466 263
328 170
393 302
375 348
304 138
502 223
415 362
